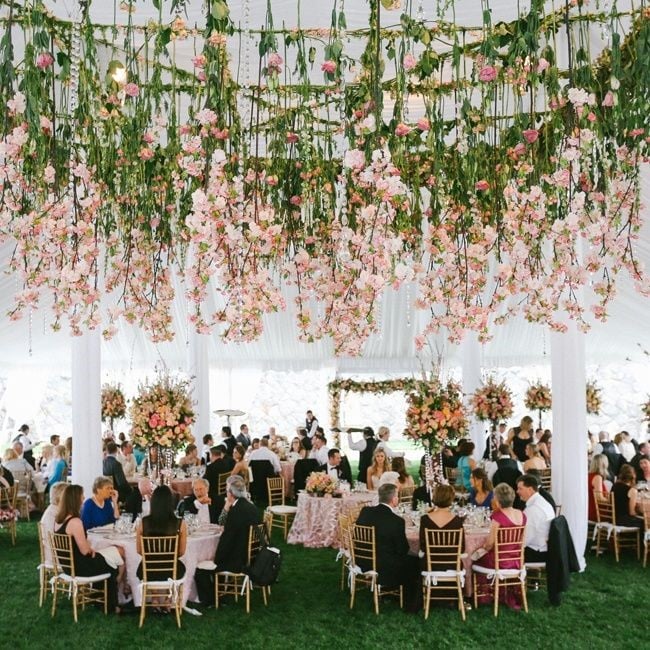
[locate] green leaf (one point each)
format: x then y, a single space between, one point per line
312 54
219 9
343 24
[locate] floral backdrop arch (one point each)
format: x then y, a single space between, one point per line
494 166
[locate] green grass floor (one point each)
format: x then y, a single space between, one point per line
605 608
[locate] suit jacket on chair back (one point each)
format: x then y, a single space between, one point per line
232 551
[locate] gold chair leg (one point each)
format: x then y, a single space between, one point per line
427 602
616 546
496 596
461 603
56 590
353 588
475 591
524 597
143 606
41 593
74 606
376 599
106 597
401 597
216 591
248 598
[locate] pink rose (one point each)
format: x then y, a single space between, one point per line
487 74
482 185
131 90
402 129
329 66
608 99
530 135
199 61
542 65
292 138
409 61
44 60
274 63
145 153
423 124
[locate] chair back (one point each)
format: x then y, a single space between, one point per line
451 474
268 523
604 508
545 478
406 494
44 546
275 490
221 482
8 497
301 470
362 546
62 555
159 555
646 515
261 469
344 525
257 538
443 549
23 482
509 549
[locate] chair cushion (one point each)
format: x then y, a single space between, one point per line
626 529
208 565
536 565
83 580
503 573
283 510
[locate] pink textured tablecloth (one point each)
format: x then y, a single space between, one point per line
287 474
474 537
200 546
316 521
183 486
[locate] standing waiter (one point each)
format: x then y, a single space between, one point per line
23 439
366 448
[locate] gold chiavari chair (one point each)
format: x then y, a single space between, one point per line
344 524
46 567
545 478
160 556
508 551
221 482
8 512
406 494
606 528
282 515
363 552
443 567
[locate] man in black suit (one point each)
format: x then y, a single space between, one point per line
200 503
220 463
508 470
239 514
228 441
112 468
338 470
244 437
394 565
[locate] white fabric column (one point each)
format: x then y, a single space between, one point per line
199 371
86 409
470 349
569 448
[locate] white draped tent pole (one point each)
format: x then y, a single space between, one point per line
569 448
86 409
199 372
470 349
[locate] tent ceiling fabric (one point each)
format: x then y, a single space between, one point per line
392 348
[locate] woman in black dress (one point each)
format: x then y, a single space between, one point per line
626 498
521 437
162 522
86 561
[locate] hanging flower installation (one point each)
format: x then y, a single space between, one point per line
594 400
492 402
301 175
113 404
162 414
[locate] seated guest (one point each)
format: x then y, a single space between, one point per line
466 464
238 515
644 468
504 516
162 522
597 482
139 501
626 499
58 468
16 464
383 433
394 564
377 468
240 468
86 561
127 459
102 508
335 468
264 453
208 442
139 454
112 468
507 469
244 437
607 447
535 459
199 503
623 441
297 451
541 490
319 449
48 519
644 452
480 494
405 480
544 446
539 514
191 458
46 457
441 517
220 463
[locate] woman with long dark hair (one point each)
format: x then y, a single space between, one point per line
162 522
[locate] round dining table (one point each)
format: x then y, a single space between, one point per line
201 545
316 522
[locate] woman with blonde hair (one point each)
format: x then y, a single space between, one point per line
597 482
378 467
59 466
535 458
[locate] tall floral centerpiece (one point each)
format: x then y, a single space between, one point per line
435 416
645 409
113 404
492 402
594 400
162 416
538 398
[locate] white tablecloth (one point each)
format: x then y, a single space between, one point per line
200 546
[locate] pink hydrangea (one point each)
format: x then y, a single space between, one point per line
131 90
402 130
329 66
409 62
44 60
487 74
530 135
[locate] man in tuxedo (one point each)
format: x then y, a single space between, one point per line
112 468
228 441
220 463
508 469
244 437
335 468
200 503
208 442
394 565
238 515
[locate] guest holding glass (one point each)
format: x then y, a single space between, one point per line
102 508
